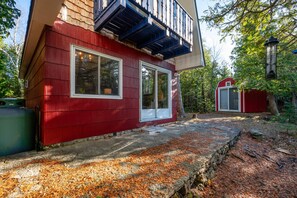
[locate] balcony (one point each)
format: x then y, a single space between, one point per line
161 26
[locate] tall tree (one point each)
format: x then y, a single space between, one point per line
228 16
10 85
250 23
8 14
198 85
11 51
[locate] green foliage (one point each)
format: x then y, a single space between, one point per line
198 85
10 85
8 14
231 16
289 115
250 23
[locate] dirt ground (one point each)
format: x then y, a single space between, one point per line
256 167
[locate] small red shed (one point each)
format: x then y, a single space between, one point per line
229 98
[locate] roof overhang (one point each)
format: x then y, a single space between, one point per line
196 58
42 12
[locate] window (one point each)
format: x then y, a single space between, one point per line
95 75
228 84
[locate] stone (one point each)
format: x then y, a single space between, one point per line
200 187
255 133
284 151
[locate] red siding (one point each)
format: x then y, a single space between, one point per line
34 76
255 101
66 118
222 83
241 102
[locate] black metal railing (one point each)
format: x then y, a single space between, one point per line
170 12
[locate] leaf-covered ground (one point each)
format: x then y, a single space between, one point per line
150 172
265 167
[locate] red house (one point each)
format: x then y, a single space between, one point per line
230 98
103 66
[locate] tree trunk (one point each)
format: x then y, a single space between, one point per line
180 104
294 100
211 90
272 104
203 96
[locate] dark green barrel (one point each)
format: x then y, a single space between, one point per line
17 129
11 102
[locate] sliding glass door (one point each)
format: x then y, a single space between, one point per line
229 99
155 96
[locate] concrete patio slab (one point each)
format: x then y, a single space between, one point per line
146 163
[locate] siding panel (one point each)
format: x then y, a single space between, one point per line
66 118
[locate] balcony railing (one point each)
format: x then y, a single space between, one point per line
154 16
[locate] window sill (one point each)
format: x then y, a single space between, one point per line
86 96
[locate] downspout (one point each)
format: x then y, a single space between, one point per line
38 146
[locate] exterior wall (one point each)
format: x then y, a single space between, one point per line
34 77
66 118
255 101
79 13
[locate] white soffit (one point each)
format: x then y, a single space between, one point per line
43 12
196 58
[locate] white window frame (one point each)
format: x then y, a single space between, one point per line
160 113
72 74
219 99
228 84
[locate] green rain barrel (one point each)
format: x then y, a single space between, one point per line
17 129
11 102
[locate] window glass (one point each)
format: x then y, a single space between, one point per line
86 73
233 99
148 88
224 99
162 90
109 76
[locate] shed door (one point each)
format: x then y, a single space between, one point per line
233 99
228 99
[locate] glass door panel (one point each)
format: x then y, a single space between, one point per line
163 99
233 99
148 93
224 99
162 90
